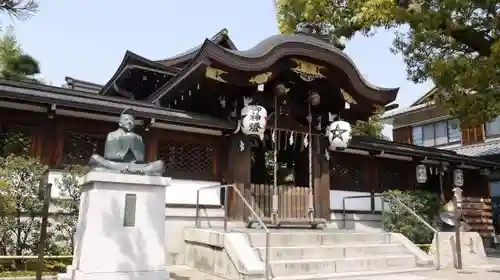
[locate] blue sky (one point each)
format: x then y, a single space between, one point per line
86 39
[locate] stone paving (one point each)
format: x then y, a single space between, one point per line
484 272
468 273
186 273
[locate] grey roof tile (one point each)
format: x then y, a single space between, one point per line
482 149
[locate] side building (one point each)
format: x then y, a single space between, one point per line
427 125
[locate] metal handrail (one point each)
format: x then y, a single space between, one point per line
420 219
226 216
356 196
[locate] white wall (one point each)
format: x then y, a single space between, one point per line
354 204
179 192
387 131
367 222
184 192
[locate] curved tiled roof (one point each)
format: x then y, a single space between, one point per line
270 50
131 58
44 94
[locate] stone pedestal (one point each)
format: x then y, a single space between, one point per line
121 228
472 248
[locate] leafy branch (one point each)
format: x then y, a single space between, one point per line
19 9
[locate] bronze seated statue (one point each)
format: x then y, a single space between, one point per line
124 151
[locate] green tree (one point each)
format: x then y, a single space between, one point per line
14 63
372 127
5 201
6 209
21 176
70 190
398 219
455 43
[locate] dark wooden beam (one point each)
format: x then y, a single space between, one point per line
321 171
239 174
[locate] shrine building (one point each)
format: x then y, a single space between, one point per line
188 110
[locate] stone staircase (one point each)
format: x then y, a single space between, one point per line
301 254
324 255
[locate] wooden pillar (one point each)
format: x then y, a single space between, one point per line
46 141
221 166
239 170
58 150
321 173
37 136
152 142
371 180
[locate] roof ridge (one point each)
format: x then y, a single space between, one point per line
424 97
219 37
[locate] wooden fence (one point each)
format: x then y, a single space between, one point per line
478 215
292 201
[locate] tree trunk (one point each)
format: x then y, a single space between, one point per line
18 237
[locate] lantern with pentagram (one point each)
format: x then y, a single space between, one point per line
339 135
254 120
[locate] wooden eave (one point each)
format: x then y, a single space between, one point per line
265 54
418 152
77 82
221 38
131 60
43 94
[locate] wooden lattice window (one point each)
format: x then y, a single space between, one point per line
15 139
346 173
395 175
80 146
475 184
187 160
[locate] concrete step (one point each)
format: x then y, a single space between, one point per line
327 266
355 274
317 238
330 251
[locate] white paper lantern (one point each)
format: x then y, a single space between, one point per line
421 172
458 177
254 120
339 135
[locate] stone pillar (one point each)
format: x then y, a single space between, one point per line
121 228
